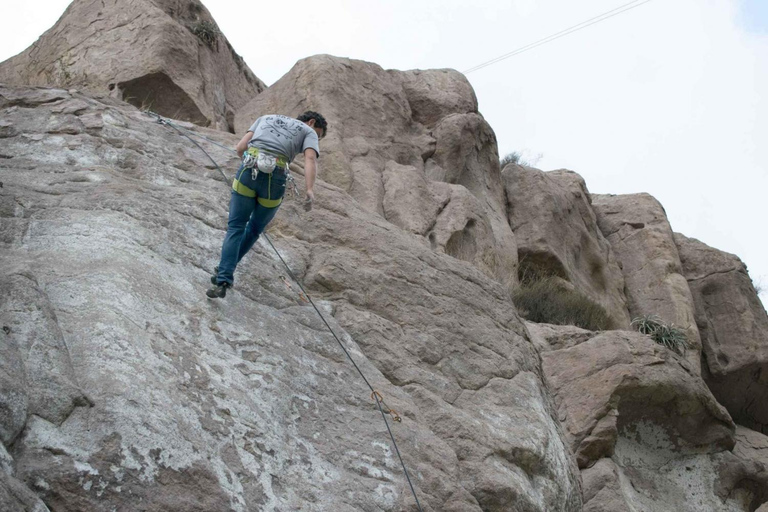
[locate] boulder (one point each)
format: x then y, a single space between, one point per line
647 432
751 445
165 55
618 380
742 476
602 488
734 330
557 234
644 474
395 139
249 403
434 94
637 228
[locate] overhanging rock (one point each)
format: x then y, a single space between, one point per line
164 55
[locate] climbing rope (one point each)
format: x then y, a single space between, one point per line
384 409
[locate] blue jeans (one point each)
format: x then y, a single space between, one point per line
248 217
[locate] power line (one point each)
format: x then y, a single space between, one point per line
575 28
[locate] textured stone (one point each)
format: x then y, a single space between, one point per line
734 330
437 93
395 139
557 234
602 488
637 228
744 473
142 51
248 403
646 475
38 372
408 202
17 497
548 337
657 439
616 380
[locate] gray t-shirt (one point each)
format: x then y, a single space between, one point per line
283 135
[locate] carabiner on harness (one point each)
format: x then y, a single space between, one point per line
289 178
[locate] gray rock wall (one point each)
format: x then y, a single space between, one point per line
648 433
110 226
734 330
637 228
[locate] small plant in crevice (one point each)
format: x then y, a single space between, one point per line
669 336
207 32
516 157
547 299
759 285
512 158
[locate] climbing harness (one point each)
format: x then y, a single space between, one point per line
259 160
384 409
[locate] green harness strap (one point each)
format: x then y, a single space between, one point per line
248 192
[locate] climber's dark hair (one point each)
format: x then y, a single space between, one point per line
320 121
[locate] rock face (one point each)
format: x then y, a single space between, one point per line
618 380
556 231
123 387
408 146
648 434
637 228
734 331
165 55
140 390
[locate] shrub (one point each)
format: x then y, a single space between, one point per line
669 336
207 32
758 285
517 158
512 158
547 300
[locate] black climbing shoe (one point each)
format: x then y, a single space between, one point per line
219 291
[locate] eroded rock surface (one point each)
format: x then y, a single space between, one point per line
248 403
409 146
734 330
557 234
648 434
165 55
618 379
637 228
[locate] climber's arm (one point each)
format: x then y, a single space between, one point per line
243 144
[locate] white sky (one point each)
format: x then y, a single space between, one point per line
661 99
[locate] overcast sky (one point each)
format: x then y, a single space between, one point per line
664 98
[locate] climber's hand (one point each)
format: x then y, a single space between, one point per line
309 200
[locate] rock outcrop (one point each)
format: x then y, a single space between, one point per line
110 226
409 146
637 228
164 55
647 432
618 380
123 387
734 331
557 234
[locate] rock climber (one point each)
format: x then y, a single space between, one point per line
267 148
